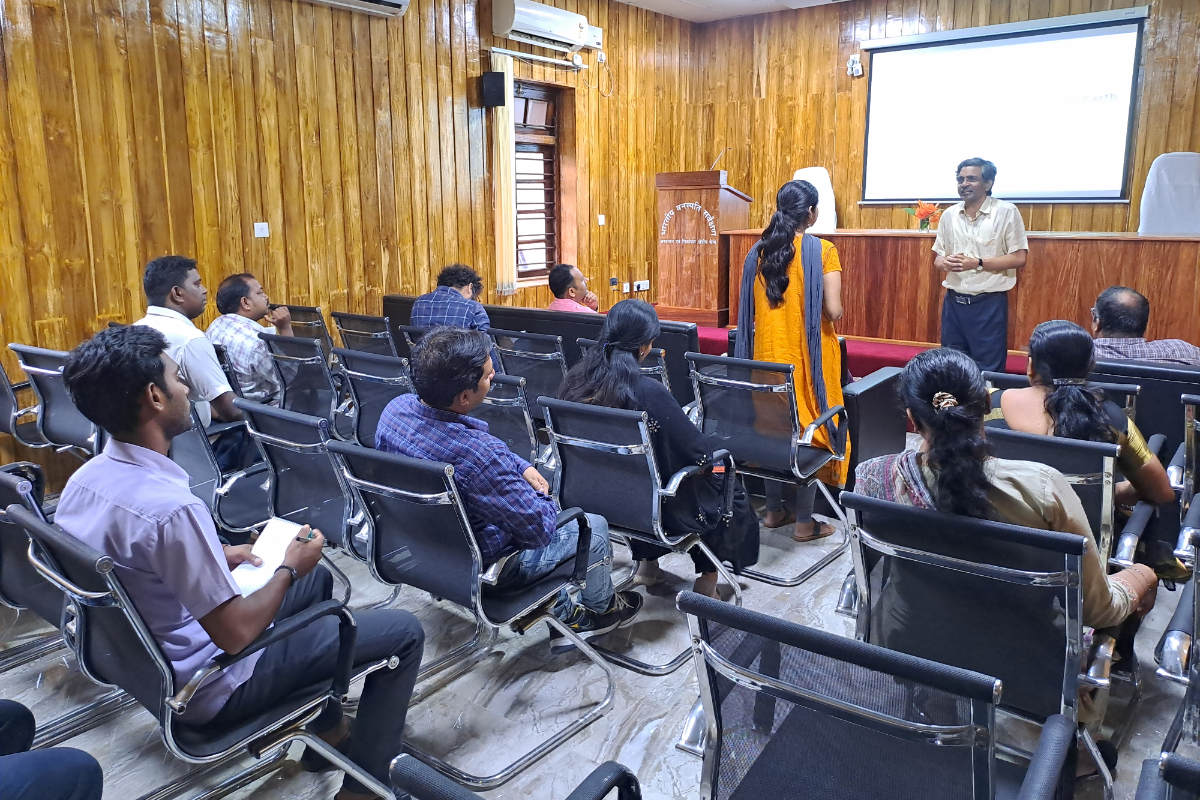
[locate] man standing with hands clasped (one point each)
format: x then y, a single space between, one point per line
980 246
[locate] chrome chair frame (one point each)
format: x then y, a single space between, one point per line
226 482
307 319
520 401
270 742
798 439
679 544
1189 531
1070 579
349 518
343 321
1174 650
980 734
366 377
486 628
10 390
497 334
95 442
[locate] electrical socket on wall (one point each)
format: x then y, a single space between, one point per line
601 218
625 287
261 230
641 286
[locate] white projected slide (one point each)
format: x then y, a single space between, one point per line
1051 111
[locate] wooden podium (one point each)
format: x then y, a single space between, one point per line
694 208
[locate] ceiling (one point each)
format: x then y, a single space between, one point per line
709 10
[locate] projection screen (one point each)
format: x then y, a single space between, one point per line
1053 111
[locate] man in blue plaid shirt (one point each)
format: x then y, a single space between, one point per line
453 302
505 496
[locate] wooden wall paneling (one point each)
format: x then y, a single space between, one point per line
177 142
426 19
381 79
16 321
424 217
231 173
476 19
368 174
255 251
274 276
334 268
464 93
312 278
291 170
343 55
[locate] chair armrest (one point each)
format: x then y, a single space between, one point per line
584 547
1131 534
1175 468
410 775
1045 772
828 416
696 469
606 777
1155 444
1150 785
250 471
1188 534
1097 675
1174 647
492 573
218 428
879 377
279 631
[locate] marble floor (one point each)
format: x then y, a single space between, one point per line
520 693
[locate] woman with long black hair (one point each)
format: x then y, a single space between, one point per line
609 375
791 295
1058 402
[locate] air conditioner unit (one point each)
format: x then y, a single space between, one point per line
379 8
539 25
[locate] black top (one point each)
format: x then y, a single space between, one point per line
696 507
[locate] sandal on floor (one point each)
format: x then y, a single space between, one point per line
789 518
820 531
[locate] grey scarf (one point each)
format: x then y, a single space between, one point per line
814 308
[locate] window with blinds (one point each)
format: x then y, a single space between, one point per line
535 110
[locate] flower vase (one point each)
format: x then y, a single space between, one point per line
925 226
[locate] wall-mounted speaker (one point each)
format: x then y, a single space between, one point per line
493 89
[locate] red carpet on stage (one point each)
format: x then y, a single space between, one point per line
865 357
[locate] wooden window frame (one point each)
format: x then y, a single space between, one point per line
565 177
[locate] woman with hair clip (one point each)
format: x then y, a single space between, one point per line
609 375
946 400
792 290
1058 403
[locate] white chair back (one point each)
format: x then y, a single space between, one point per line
819 177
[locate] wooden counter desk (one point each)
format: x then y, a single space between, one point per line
891 290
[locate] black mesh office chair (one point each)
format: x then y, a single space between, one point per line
653 365
800 713
537 358
750 406
1123 394
409 335
238 501
308 322
375 380
410 775
11 414
506 411
115 646
419 536
979 595
227 368
308 384
58 421
1183 474
306 486
364 334
607 467
23 589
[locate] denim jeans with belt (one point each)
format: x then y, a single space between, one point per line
528 566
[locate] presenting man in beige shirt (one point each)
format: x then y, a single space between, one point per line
980 246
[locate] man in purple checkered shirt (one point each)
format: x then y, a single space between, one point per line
452 302
1119 321
505 496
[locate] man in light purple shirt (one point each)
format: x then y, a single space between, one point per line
133 504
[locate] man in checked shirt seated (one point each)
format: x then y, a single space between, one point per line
505 496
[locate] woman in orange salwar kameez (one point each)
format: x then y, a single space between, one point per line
796 298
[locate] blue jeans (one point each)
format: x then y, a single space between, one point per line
528 566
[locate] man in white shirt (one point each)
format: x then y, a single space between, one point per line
177 296
242 302
980 246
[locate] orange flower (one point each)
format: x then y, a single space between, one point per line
937 215
925 210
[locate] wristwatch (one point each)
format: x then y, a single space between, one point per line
981 263
292 572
